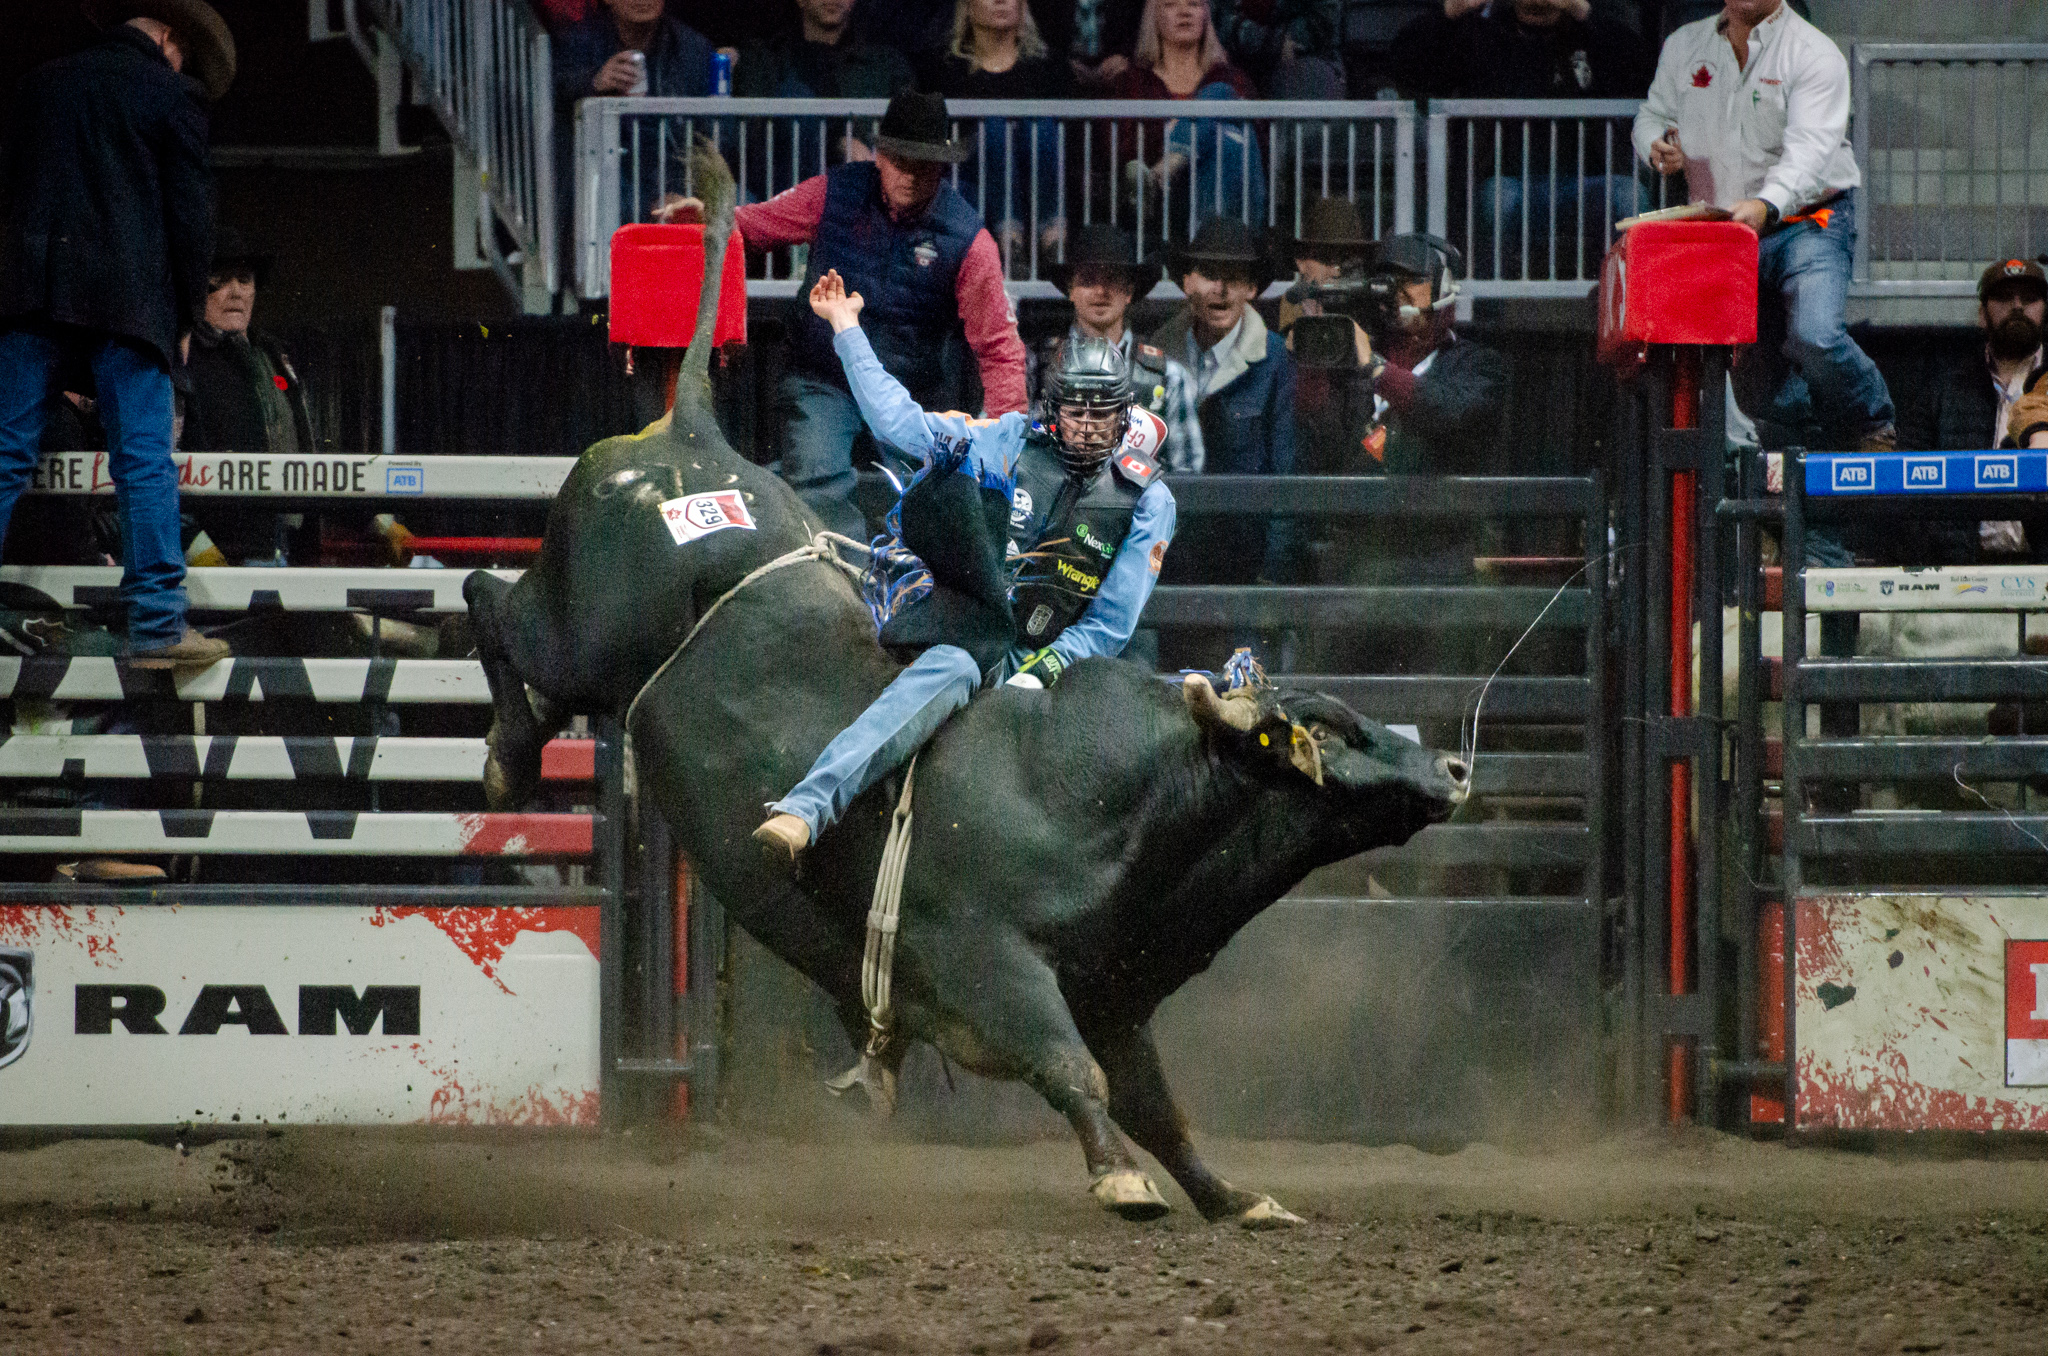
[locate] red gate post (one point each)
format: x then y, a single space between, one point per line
1678 296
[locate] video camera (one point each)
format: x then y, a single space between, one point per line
1369 292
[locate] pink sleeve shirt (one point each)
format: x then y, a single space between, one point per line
791 218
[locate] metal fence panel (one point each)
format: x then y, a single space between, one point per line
1037 170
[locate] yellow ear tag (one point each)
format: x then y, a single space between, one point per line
1265 741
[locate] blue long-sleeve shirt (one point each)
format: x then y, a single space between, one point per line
994 445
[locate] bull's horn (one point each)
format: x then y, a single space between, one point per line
1307 755
1239 713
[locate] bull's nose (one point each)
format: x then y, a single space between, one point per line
1459 774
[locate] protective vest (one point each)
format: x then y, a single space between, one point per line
1074 529
904 273
1148 376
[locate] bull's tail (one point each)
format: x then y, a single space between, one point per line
715 187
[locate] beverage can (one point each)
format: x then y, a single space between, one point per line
721 74
639 85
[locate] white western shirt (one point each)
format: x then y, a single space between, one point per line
1777 130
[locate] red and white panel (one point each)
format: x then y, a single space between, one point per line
1923 1012
166 1014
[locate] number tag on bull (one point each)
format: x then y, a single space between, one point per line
699 515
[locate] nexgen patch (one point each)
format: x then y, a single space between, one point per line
699 515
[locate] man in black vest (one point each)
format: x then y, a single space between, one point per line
905 239
103 259
1087 532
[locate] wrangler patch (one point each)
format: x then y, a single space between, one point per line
1087 582
699 515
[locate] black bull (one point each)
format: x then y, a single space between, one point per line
1079 853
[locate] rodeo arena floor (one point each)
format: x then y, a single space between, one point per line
1591 904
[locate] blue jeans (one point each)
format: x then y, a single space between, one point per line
1833 394
820 423
1502 200
1226 175
896 724
135 407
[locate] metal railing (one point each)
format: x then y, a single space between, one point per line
484 67
1530 190
1952 140
1038 168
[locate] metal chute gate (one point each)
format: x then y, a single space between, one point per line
528 968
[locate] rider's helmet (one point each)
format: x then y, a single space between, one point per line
1090 400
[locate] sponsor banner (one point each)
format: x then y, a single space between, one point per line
261 475
299 833
1923 1012
1853 473
1934 589
273 757
166 1014
699 515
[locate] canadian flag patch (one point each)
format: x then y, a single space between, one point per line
1702 78
699 515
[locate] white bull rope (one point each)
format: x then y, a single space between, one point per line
878 962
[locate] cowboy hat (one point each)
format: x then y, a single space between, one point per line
231 247
202 34
1222 241
1104 246
916 127
1330 227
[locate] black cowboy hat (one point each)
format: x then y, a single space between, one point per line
1223 241
230 247
1104 246
916 127
202 34
1330 227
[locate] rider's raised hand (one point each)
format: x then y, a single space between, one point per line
835 305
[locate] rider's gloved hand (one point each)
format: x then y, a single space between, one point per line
1040 670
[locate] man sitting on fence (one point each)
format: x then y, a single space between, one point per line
907 241
1100 277
1753 105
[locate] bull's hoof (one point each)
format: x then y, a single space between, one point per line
1267 1213
507 783
1129 1193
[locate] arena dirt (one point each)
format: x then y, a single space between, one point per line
395 1241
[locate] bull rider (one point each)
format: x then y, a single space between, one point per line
1087 508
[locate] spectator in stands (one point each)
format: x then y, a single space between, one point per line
1179 56
822 58
908 242
1244 384
633 48
1100 277
995 52
1533 49
1289 47
1970 407
1754 107
1096 35
108 233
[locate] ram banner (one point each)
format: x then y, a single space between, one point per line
1922 1012
167 1014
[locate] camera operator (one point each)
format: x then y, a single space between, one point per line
1436 400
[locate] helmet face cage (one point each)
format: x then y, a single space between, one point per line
1091 400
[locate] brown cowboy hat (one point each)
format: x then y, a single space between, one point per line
1104 246
203 35
916 127
1330 227
1223 241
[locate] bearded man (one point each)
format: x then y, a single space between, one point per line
1970 407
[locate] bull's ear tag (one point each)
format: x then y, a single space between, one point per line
1265 740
